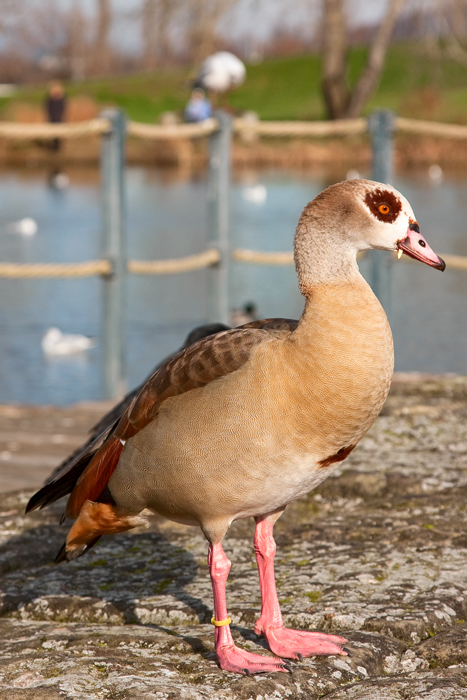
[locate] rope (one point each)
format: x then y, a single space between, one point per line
174 265
11 130
261 258
85 269
418 126
168 267
175 131
256 257
339 127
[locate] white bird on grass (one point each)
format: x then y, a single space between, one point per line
220 73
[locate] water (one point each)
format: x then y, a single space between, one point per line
166 218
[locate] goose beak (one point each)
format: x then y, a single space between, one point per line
415 246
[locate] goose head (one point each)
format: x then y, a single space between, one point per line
350 217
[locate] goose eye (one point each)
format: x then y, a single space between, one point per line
384 208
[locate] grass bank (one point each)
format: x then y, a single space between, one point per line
413 84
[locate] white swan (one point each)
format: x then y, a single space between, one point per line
54 342
257 194
435 173
60 181
25 227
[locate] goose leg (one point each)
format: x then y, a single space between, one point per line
231 657
290 644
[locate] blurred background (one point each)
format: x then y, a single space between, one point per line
67 60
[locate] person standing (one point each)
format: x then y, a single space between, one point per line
198 108
55 106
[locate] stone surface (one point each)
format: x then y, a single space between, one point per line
34 439
378 553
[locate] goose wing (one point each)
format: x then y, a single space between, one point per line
88 474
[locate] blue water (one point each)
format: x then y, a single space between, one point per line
166 218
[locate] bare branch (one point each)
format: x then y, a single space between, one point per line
156 19
334 80
370 77
101 42
203 18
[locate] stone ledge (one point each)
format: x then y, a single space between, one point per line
377 553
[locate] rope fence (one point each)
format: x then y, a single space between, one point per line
339 127
175 265
257 257
210 257
14 131
158 132
84 269
172 266
317 129
425 128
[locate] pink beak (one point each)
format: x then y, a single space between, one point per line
416 247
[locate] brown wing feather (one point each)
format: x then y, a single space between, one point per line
196 366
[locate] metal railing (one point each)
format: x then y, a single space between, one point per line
113 128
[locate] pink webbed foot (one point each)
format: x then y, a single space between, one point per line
232 658
296 644
290 644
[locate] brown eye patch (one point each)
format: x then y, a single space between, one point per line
383 204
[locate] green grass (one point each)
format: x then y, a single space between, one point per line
412 84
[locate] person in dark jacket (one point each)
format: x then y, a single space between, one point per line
55 105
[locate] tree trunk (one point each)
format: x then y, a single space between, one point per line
101 43
204 17
334 82
371 75
167 9
148 31
76 44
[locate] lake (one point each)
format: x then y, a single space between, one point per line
166 218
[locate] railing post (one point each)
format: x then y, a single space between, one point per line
114 244
381 127
218 218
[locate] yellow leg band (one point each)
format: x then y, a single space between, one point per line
220 623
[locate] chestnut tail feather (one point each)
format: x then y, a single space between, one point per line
95 477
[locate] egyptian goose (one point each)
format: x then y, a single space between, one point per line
243 422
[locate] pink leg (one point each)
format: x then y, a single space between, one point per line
291 644
230 657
